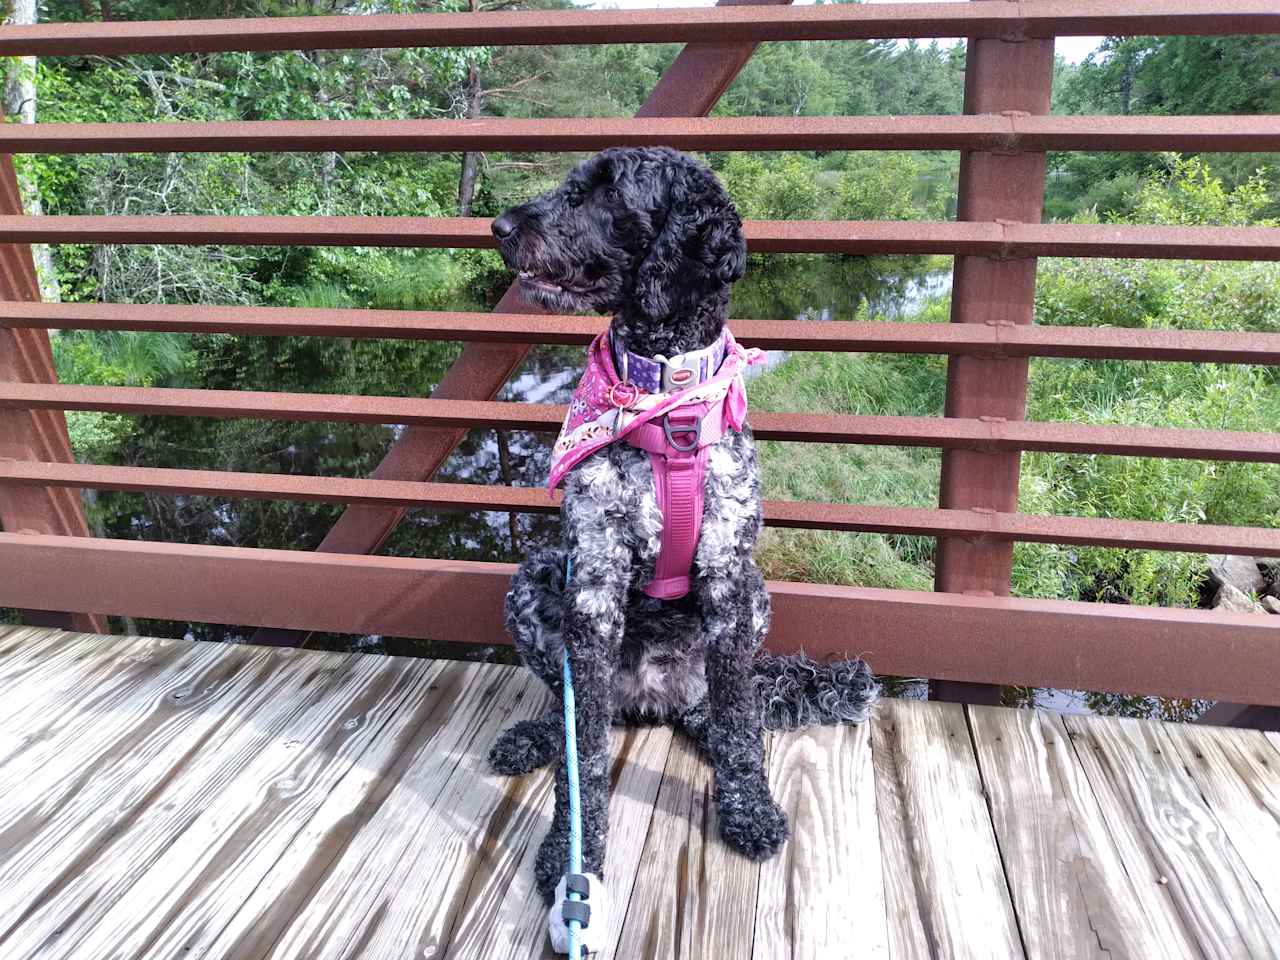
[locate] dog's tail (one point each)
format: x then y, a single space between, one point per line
797 691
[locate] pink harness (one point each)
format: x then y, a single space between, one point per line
675 427
677 451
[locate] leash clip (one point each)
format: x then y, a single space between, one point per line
689 428
579 910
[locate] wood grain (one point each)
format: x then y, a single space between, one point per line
944 884
823 895
503 915
1072 892
399 882
694 897
168 799
1168 836
156 779
15 640
41 671
1238 774
422 719
54 745
222 855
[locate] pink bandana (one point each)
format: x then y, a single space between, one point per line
605 409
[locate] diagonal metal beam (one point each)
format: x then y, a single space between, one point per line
691 86
25 357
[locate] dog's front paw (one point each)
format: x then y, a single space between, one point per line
751 822
524 747
592 936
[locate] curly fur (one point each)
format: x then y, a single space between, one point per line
650 237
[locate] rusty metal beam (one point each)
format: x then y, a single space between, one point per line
1003 241
723 25
1168 652
969 433
25 356
1000 186
1227 714
995 132
850 518
690 87
1197 346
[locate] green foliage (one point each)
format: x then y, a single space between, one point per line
1177 76
1188 192
1171 295
1143 294
115 358
903 476
889 186
784 187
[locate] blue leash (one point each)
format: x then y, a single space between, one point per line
575 798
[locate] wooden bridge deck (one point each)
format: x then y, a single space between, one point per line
163 798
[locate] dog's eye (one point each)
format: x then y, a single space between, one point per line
612 194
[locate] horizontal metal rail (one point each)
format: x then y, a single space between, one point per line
1203 346
1011 133
982 18
944 432
855 237
1082 646
849 518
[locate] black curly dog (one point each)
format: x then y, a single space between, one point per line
650 237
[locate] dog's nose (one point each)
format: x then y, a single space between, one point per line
505 226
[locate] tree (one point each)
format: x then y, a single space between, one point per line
20 102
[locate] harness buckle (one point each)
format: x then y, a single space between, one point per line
691 427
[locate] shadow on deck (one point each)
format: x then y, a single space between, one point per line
171 799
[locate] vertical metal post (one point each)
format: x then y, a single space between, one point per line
25 356
1001 76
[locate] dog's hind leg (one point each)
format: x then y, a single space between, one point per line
528 745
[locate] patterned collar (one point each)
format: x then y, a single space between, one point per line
660 374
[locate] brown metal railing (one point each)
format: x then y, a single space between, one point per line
968 632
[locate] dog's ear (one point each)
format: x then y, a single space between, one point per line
699 248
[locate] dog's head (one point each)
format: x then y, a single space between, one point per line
646 233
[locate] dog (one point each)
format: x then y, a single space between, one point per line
650 237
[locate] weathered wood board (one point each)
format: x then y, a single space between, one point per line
166 799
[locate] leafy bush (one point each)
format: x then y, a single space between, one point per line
782 188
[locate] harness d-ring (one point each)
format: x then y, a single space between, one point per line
691 428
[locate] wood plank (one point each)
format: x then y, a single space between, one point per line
432 722
503 914
42 666
400 880
694 897
827 882
221 857
58 740
13 635
154 780
944 884
1274 738
1168 836
1072 891
1238 774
